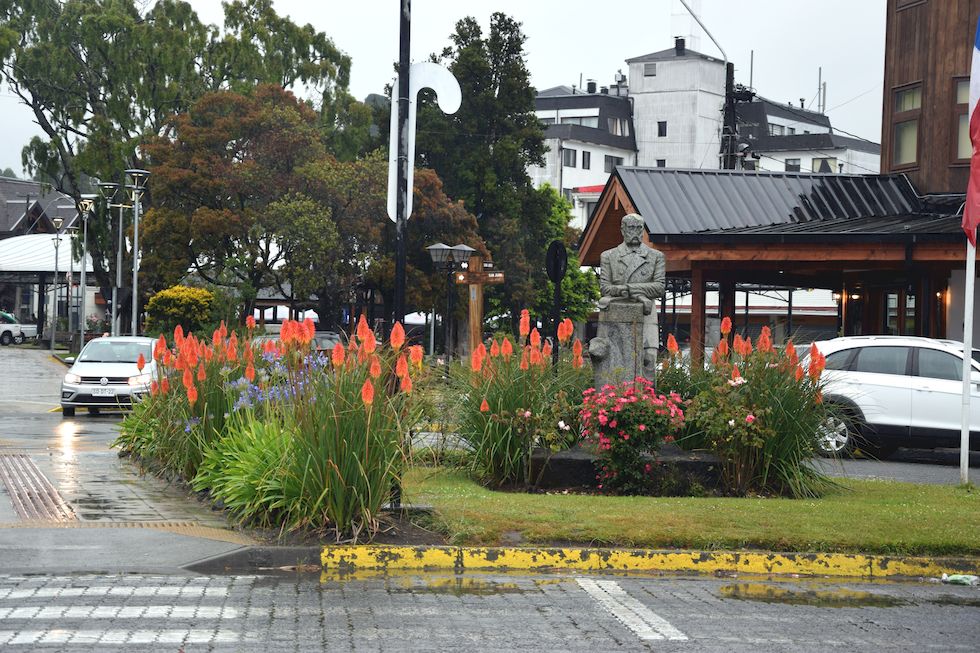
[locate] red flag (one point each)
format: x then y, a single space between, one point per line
971 212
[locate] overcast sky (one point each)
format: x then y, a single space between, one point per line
569 39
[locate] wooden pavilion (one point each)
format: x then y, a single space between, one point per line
869 238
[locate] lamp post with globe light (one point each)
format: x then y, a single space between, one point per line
84 207
449 258
54 312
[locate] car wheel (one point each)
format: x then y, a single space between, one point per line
835 437
68 411
6 338
19 339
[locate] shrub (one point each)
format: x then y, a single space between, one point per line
188 307
289 438
761 416
622 424
511 400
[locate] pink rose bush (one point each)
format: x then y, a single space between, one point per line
624 425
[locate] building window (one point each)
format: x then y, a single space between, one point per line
612 161
792 165
547 121
662 129
586 160
828 164
661 163
776 130
585 121
905 130
964 148
618 126
790 131
568 157
649 70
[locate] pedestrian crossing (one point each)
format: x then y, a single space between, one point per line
96 613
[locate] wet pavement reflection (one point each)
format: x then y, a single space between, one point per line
75 454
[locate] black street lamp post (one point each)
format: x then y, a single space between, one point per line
449 259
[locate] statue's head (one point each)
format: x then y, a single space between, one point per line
632 229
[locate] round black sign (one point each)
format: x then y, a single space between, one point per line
556 261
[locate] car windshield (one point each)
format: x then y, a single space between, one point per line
107 351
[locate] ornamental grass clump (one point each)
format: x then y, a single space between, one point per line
512 400
624 426
761 416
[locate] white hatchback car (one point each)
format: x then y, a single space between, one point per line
896 391
105 375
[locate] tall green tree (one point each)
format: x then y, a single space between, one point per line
230 201
103 76
482 153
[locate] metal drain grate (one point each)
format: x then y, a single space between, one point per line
33 496
188 528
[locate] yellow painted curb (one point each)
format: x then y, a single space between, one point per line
844 565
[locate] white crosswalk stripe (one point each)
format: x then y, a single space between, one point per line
111 613
634 615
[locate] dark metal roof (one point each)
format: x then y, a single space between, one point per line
678 202
591 135
671 53
917 224
797 142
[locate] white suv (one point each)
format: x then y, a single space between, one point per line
896 391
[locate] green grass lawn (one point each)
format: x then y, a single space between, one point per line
860 516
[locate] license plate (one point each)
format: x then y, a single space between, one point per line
103 392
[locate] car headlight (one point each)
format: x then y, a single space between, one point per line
72 378
141 379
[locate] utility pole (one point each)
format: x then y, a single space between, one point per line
729 127
401 184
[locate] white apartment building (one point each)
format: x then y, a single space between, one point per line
587 134
677 107
783 137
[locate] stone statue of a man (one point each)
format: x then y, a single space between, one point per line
634 272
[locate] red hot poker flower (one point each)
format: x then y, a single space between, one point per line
484 407
416 354
397 336
406 384
672 344
726 326
337 355
140 362
507 349
250 322
375 370
535 338
494 349
525 324
401 367
367 392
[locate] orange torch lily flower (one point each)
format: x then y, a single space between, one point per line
416 354
484 407
337 355
672 347
397 336
406 384
375 369
494 349
140 362
250 322
507 349
525 324
192 394
401 367
367 392
535 338
202 375
726 326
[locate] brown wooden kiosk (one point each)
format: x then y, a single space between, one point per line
870 238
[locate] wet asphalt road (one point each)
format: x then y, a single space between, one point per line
112 587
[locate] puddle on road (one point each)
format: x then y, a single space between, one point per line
419 582
835 598
961 601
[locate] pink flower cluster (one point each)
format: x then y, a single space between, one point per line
645 411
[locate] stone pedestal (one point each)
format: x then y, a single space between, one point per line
617 349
